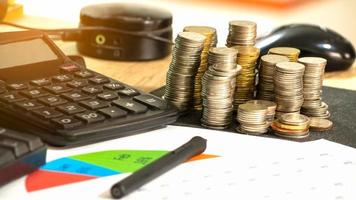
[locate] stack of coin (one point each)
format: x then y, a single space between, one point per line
266 72
291 125
291 53
271 108
241 33
252 119
313 106
210 41
245 82
181 74
218 86
288 87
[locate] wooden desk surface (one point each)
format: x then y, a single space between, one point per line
150 75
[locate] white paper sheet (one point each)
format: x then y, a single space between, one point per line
248 167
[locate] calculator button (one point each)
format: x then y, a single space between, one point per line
113 112
99 80
90 117
93 89
2 83
84 74
57 89
94 104
108 96
70 68
71 108
11 97
32 142
75 96
77 83
113 86
128 92
34 93
151 101
47 113
52 100
67 122
17 86
19 148
130 105
40 82
62 78
28 105
2 90
6 156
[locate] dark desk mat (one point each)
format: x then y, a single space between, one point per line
342 105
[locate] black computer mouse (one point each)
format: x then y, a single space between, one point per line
312 40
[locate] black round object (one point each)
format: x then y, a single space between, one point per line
133 22
3 8
312 40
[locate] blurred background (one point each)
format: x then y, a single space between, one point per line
338 15
335 14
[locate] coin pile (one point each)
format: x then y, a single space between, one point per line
291 125
218 86
210 41
313 106
271 108
288 87
266 72
245 82
181 74
290 52
252 119
241 33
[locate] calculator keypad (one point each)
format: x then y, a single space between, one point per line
76 100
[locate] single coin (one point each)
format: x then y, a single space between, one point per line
270 104
274 59
192 36
319 124
294 119
312 61
291 136
290 66
290 127
242 23
288 131
200 29
284 51
253 107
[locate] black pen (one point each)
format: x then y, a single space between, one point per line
195 146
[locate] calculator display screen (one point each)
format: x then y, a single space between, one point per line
25 52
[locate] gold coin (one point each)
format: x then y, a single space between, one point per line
319 124
284 51
243 24
277 123
206 30
288 131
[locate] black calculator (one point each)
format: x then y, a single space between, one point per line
44 92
